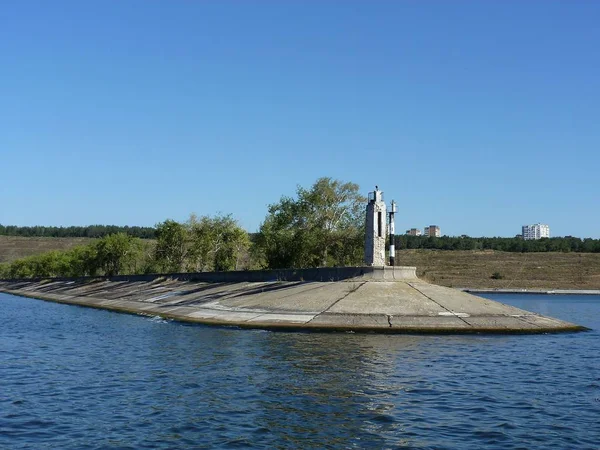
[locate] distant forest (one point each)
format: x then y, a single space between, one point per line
90 231
557 244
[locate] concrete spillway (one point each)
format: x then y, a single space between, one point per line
377 299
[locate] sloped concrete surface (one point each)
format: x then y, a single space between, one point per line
377 303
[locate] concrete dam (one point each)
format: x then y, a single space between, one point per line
376 297
369 299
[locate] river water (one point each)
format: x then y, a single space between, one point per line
79 378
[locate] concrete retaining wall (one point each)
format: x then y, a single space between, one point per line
380 273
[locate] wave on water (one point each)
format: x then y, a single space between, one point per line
154 318
158 319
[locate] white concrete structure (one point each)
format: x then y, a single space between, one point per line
376 221
413 232
536 231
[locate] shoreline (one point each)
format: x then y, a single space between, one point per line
531 291
292 326
363 299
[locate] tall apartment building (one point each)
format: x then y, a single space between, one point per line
432 231
536 231
413 232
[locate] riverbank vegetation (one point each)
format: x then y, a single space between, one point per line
321 226
200 244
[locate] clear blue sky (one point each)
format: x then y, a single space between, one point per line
477 116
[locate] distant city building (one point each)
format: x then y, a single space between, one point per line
432 231
536 231
413 232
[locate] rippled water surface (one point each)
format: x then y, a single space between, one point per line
78 378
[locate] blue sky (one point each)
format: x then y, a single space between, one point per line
476 116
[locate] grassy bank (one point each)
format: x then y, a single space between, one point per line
493 269
17 247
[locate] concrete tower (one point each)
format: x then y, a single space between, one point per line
375 229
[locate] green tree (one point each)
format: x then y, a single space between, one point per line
230 242
49 264
117 254
171 242
20 269
4 270
323 226
215 243
82 261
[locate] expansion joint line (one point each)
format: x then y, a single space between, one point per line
440 305
522 318
351 291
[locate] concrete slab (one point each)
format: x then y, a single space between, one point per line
201 293
204 314
351 320
406 305
307 297
231 316
461 302
500 322
148 307
424 323
283 318
541 321
397 298
176 310
108 303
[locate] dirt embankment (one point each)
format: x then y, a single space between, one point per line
491 269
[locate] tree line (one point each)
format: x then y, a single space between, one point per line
557 244
89 231
199 244
322 225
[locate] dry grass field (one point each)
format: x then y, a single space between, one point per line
15 247
474 269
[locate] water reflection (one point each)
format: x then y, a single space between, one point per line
360 386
